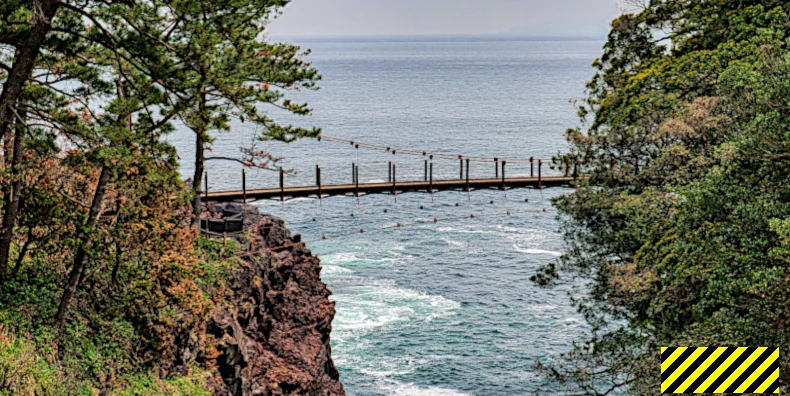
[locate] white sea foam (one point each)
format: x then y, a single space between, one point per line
295 200
541 308
339 258
334 270
367 305
370 304
454 243
348 259
500 230
536 251
277 202
395 388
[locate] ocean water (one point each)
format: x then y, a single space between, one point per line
442 308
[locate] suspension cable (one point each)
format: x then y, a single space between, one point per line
423 152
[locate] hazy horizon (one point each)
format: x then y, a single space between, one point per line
383 36
514 18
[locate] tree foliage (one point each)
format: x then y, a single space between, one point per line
681 228
101 275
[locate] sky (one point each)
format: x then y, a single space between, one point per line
318 18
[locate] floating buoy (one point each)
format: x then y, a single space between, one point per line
361 231
435 220
323 237
313 219
492 202
526 200
508 213
398 224
352 215
385 210
421 207
544 210
457 204
472 216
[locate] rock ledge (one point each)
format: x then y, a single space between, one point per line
273 337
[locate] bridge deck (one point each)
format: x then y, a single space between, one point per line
399 187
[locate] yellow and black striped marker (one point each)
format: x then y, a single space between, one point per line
719 370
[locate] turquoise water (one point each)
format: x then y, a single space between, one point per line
441 308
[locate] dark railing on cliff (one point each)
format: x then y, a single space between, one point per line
224 227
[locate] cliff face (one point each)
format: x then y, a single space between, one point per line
273 337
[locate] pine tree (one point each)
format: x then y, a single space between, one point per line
228 70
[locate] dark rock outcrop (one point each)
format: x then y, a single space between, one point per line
273 337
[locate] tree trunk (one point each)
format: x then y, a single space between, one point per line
197 179
23 252
200 160
117 267
27 53
78 267
12 202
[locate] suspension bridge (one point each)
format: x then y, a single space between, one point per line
499 179
538 178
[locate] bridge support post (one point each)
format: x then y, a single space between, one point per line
353 172
426 170
318 181
461 161
430 184
496 165
504 187
282 185
467 175
531 166
244 184
389 170
393 179
356 180
540 175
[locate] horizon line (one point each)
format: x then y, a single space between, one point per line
434 35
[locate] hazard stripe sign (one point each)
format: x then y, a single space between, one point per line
719 370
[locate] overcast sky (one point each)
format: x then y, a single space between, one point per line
422 17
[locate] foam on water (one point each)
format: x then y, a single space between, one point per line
365 305
536 251
339 258
348 260
394 388
454 243
368 304
334 270
291 201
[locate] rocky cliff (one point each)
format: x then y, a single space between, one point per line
273 336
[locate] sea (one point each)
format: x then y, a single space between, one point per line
440 308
